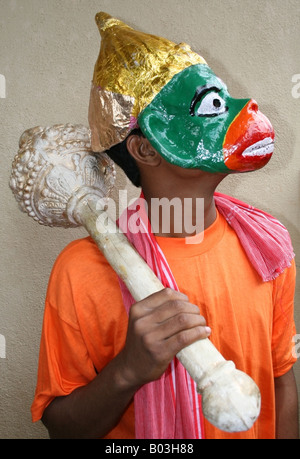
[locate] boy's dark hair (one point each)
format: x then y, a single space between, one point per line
120 155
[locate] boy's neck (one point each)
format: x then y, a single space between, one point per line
175 208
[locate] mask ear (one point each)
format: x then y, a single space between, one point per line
156 128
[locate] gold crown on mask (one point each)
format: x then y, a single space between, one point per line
131 69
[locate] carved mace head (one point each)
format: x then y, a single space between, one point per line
54 169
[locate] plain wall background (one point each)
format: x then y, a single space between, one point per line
47 53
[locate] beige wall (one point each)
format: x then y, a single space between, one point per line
47 54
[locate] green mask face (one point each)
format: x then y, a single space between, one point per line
194 123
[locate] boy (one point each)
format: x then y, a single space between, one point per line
99 350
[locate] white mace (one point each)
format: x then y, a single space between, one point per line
59 181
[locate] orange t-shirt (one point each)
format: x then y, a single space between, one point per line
85 321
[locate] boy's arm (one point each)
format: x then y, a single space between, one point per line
286 398
159 327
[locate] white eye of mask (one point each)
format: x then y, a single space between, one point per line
212 104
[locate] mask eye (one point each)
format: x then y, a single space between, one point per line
212 104
208 102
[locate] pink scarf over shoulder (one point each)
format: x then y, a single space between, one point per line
170 408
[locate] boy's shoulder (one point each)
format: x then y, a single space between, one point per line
80 258
264 238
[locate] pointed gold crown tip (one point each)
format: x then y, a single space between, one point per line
101 19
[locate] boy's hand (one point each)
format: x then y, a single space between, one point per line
159 327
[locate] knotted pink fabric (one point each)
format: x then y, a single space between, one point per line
170 408
265 240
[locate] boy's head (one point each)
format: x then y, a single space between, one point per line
177 102
121 156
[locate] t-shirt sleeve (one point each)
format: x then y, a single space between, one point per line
84 328
64 363
85 323
284 329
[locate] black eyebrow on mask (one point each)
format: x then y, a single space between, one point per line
200 92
